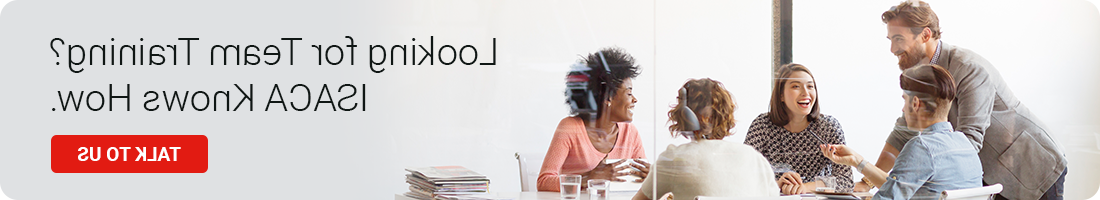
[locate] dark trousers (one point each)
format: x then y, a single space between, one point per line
1055 192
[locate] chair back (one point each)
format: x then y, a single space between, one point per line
530 164
979 193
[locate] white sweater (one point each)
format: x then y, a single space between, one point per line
714 168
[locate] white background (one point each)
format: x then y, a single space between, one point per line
479 116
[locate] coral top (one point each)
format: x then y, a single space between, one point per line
571 152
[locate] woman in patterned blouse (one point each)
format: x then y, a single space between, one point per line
789 134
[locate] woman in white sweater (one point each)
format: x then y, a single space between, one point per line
708 165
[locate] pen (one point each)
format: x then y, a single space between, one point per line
818 137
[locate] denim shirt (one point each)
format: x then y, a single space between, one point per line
937 159
1016 149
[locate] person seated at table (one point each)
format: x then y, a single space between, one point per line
937 159
708 165
583 142
790 132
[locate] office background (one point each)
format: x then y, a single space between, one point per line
479 116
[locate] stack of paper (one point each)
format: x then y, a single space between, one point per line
429 183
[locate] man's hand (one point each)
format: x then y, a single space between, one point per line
667 196
841 154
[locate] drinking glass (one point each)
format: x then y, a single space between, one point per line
597 189
570 186
828 183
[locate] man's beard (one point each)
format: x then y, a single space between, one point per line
907 60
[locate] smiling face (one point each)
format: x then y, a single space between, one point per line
908 47
622 104
799 94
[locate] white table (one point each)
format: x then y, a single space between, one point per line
611 195
615 195
623 195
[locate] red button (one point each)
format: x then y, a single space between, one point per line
128 154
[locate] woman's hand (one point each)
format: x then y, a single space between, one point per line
790 183
606 171
642 169
841 154
861 187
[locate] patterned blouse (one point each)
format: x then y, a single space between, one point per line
799 151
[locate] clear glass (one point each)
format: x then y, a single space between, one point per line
597 188
570 186
826 183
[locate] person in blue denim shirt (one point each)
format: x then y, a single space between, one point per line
937 159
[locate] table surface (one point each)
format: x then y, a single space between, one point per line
611 195
622 195
619 195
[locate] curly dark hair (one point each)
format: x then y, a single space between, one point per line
602 83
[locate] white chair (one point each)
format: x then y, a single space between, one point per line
981 193
530 164
790 197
